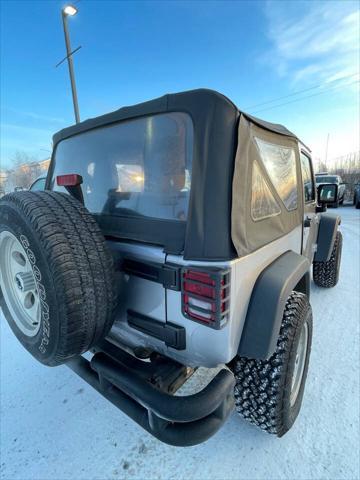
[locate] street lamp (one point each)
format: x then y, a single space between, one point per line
70 11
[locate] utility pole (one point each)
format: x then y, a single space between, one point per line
326 150
67 11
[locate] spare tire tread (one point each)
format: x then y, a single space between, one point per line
71 245
81 268
85 244
106 260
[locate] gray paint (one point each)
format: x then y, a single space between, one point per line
204 346
137 294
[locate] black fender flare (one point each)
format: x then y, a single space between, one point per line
326 237
288 272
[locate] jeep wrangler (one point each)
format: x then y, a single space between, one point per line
174 234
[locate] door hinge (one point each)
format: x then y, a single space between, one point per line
172 335
168 275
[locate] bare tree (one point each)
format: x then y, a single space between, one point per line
24 171
348 167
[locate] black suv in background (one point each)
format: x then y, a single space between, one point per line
356 201
325 178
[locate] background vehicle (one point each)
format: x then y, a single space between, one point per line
357 195
174 237
322 179
38 184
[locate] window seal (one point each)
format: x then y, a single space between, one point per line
308 156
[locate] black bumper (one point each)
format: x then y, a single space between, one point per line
180 421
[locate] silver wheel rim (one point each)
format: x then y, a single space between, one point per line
18 285
299 366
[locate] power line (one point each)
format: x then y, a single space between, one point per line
300 91
307 96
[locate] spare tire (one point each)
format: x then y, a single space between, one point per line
56 275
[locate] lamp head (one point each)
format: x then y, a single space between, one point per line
70 10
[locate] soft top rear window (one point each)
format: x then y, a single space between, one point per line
140 167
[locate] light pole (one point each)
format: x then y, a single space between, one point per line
67 11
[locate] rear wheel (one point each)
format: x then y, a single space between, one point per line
326 274
268 393
56 275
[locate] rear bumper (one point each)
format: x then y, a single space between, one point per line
175 420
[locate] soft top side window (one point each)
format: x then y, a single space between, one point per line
263 203
307 177
280 164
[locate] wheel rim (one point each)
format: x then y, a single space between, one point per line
18 285
299 367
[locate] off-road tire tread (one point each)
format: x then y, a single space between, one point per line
260 384
326 274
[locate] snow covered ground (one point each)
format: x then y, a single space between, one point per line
54 426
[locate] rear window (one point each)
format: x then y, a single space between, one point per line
326 179
139 167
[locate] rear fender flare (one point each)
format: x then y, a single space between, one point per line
326 237
263 320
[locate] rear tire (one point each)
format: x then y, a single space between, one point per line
326 274
268 393
51 245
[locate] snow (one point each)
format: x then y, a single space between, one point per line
54 426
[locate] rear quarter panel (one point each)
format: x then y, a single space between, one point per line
208 347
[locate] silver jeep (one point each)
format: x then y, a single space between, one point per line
174 234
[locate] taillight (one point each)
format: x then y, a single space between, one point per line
69 180
205 296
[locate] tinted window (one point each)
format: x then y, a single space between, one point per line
140 167
326 179
309 192
280 164
38 185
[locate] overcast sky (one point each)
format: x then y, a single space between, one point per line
253 52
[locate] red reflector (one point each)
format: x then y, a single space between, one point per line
199 276
70 180
201 290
